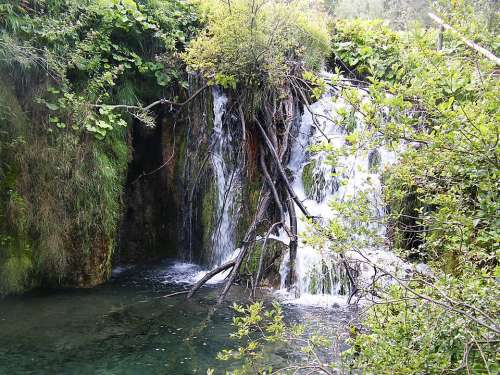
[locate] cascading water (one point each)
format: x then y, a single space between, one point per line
228 182
321 278
227 173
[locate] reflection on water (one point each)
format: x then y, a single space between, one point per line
127 327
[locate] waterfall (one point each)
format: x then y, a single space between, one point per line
320 276
223 197
227 173
317 180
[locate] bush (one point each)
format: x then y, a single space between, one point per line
253 43
366 49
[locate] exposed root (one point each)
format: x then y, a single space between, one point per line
293 241
281 171
261 211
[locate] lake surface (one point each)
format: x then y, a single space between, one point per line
126 326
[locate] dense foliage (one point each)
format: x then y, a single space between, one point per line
256 43
438 107
63 150
97 53
366 49
441 107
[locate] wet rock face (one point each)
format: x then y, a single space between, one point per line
148 225
194 178
170 186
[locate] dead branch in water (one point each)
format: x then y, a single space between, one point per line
208 276
176 293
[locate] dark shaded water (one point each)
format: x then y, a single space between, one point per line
127 327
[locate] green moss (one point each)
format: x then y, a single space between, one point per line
16 260
208 214
308 178
273 248
14 271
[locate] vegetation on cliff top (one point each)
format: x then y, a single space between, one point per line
63 150
256 43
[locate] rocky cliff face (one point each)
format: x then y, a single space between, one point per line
59 196
167 184
72 205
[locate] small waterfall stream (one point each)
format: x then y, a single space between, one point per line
317 180
228 182
227 185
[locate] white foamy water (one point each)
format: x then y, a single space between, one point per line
189 273
227 174
228 182
321 278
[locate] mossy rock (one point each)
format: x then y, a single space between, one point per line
208 214
314 182
308 178
273 254
374 161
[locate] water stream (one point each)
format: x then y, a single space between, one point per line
227 172
318 180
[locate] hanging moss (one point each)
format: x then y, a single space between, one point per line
59 201
16 259
308 178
